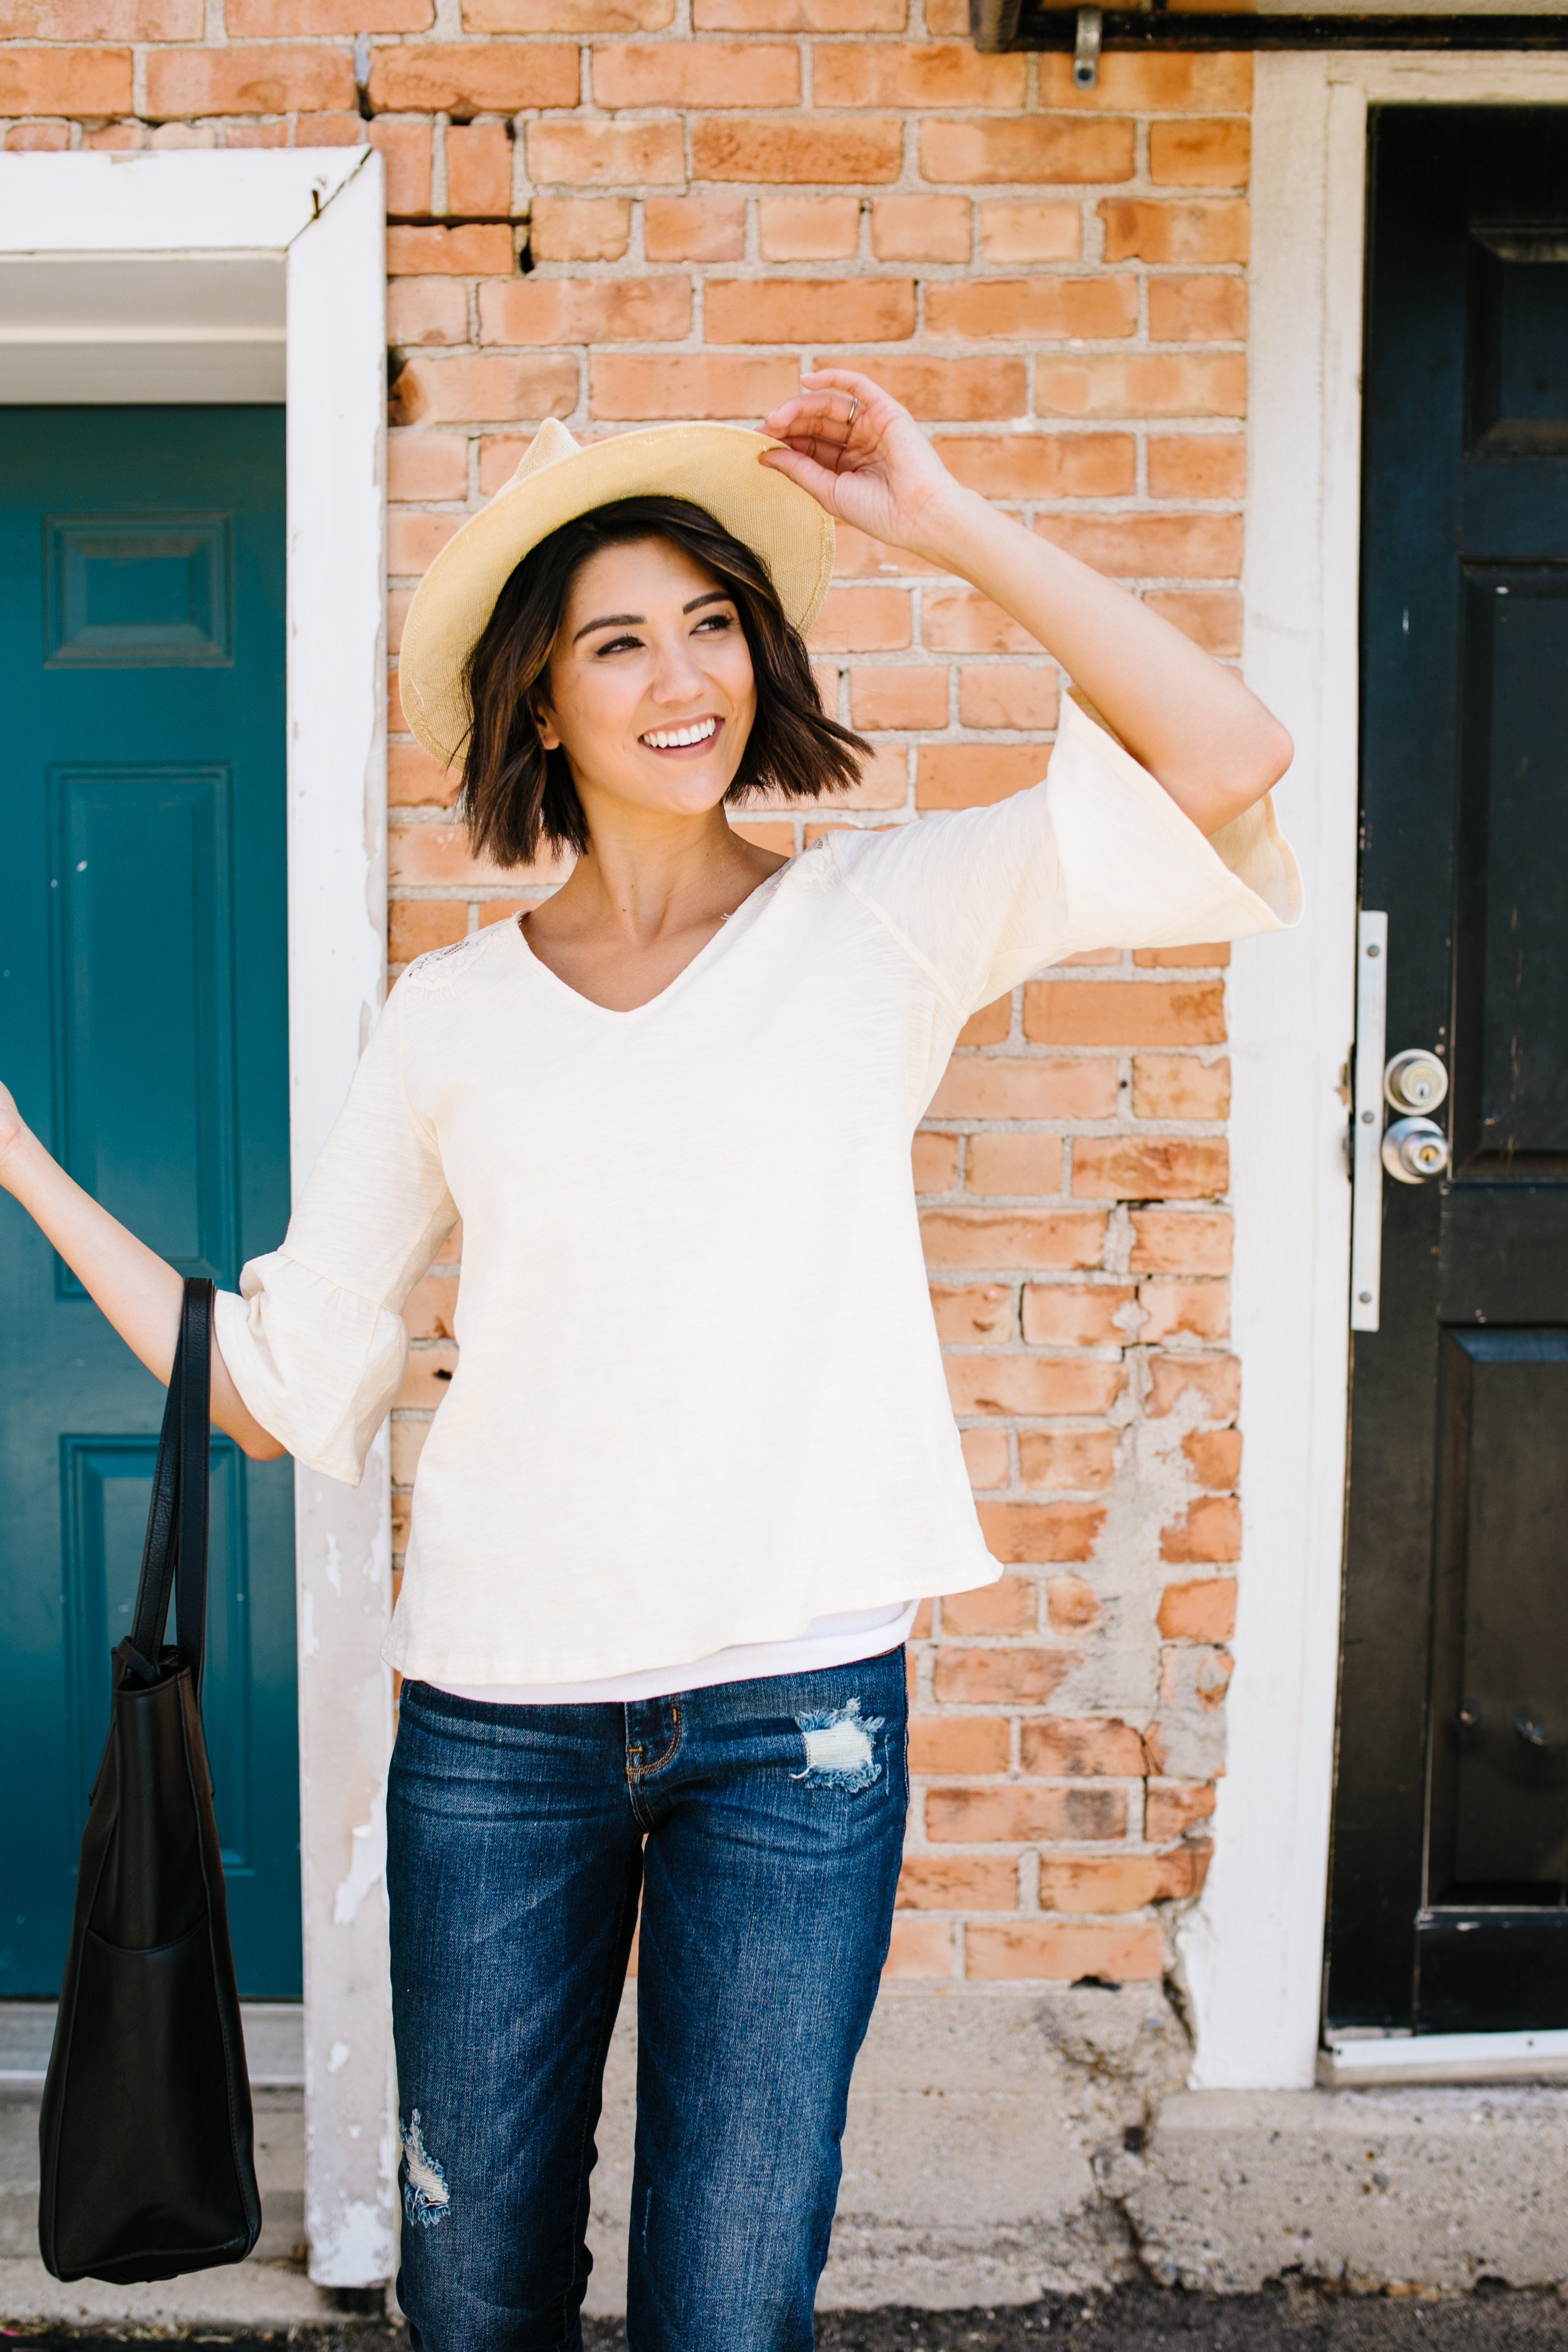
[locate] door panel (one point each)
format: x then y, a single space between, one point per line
1448 1898
143 1029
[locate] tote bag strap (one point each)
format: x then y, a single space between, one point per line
176 1552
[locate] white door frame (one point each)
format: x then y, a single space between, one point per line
322 211
1253 1949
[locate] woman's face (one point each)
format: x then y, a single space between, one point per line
650 688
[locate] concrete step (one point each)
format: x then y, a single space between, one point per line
274 2042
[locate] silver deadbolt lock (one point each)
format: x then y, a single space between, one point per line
1415 1151
1414 1083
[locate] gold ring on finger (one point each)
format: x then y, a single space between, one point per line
855 412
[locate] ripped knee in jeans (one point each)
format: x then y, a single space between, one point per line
426 2198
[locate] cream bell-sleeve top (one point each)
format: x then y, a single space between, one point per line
700 1399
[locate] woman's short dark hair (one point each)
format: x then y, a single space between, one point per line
516 793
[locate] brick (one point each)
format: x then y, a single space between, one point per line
479 170
693 228
1198 310
799 15
898 696
981 1311
697 73
475 77
1113 1882
121 137
341 129
439 390
1215 1382
101 20
567 15
990 1025
414 540
1160 82
1166 1243
430 1307
1139 229
1075 1315
407 1444
805 228
740 147
1124 1012
407 149
555 310
801 310
1203 1611
1030 232
474 252
1210 1530
427 1378
1171 1808
920 1630
962 621
1007 694
38 139
1035 309
1153 383
1012 1237
271 20
1216 154
917 74
579 228
1179 1086
1043 465
1196 465
1041 150
974 775
780 838
70 81
884 781
935 1162
1018 1816
947 391
421 856
1058 1748
1072 1605
1194 1675
1185 1310
604 154
416 925
921 229
1011 1605
417 780
1028 1534
1203 955
1211 621
1065 1952
1010 1678
1035 1385
426 310
1141 546
919 1948
1013 1163
1162 1168
270 81
427 466
172 138
932 1882
863 620
1067 1460
1213 1455
623 388
985 1457
857 556
964 1743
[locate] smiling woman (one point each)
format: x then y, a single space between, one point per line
674 1111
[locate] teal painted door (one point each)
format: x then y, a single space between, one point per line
143 1031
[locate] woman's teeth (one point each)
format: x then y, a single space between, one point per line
670 739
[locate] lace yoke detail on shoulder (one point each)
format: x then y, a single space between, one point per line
442 967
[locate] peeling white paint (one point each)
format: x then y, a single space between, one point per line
337 2057
310 1640
366 1865
361 2246
334 1562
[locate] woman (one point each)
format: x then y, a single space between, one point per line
698 1464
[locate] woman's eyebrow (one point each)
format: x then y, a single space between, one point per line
637 619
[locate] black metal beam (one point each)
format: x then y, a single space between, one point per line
999 24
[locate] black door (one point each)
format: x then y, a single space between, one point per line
1449 1900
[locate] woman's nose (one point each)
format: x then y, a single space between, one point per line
677 675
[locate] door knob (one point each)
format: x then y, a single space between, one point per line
1415 1082
1415 1151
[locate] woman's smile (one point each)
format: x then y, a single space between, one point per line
694 736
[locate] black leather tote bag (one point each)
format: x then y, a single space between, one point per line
146 2125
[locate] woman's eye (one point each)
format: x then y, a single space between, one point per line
718 621
615 645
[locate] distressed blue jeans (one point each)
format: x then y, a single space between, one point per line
761 1824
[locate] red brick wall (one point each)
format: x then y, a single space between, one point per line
1055 282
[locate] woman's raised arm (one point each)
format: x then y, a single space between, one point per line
139 1291
1191 722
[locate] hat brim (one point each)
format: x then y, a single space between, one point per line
714 466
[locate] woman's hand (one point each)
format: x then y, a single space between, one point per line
864 459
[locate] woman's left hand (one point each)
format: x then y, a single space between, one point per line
863 457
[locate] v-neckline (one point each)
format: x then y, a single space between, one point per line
735 925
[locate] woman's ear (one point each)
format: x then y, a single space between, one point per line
550 734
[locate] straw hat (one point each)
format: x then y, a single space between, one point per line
714 466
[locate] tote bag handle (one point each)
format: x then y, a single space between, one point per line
175 1551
